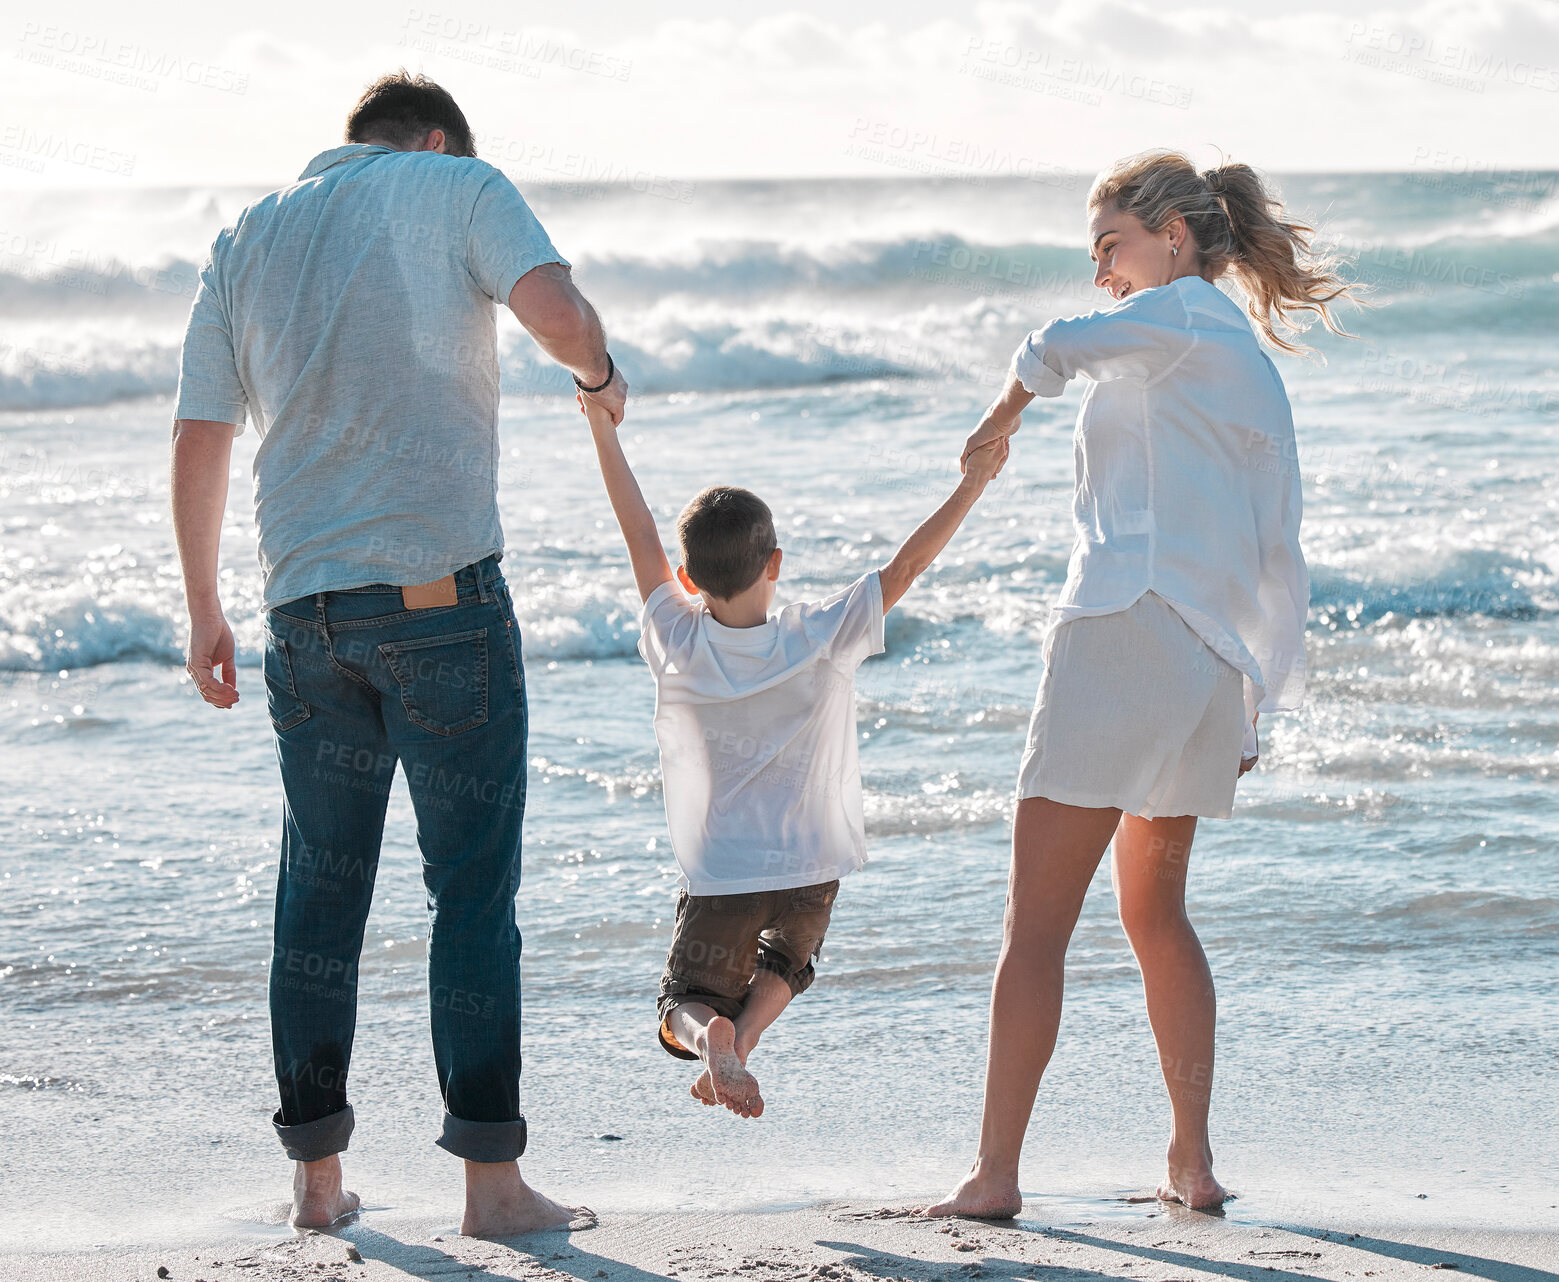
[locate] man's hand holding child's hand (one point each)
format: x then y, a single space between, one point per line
613 398
597 415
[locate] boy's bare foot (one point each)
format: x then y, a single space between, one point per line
499 1203
703 1089
1191 1183
733 1085
318 1200
981 1197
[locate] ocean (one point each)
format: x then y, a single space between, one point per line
1381 914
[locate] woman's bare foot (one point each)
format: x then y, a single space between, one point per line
703 1089
733 1085
981 1196
1191 1182
318 1200
499 1203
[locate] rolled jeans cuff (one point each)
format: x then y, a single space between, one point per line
321 1138
482 1141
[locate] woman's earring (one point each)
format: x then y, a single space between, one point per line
1174 251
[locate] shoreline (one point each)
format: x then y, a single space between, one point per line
844 1241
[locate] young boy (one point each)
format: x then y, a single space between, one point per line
755 718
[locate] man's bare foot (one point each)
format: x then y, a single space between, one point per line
499 1203
981 1197
1191 1183
733 1085
703 1089
318 1200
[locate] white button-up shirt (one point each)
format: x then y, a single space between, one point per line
1187 477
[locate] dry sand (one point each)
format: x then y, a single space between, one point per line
841 1242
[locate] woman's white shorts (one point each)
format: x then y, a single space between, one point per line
1135 711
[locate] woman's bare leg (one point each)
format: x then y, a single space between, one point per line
1055 850
1151 859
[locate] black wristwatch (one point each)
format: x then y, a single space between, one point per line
611 371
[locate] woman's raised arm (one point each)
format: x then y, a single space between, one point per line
1003 418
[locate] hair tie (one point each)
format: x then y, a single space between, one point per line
1214 180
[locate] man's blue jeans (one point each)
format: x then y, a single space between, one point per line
355 683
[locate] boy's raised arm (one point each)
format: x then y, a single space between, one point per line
650 567
926 543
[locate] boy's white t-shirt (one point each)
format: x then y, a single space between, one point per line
757 737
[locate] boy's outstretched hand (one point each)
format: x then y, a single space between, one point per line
596 414
987 461
926 543
650 567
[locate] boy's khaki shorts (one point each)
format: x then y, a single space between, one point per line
721 941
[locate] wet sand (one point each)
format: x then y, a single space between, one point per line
839 1241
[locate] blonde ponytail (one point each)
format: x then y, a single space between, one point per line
1238 227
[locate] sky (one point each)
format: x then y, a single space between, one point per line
183 94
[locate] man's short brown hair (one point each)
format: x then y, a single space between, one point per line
401 109
727 537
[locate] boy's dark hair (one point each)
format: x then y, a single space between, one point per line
727 537
401 110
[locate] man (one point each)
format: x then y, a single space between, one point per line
351 316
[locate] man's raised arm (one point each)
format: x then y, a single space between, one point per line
546 301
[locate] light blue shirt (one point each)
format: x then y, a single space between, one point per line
352 317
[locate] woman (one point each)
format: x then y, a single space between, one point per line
1181 620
